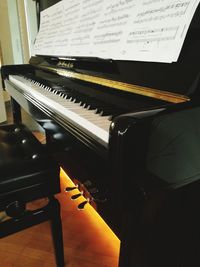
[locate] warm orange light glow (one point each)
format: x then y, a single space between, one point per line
101 229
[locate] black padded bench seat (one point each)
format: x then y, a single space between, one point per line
28 172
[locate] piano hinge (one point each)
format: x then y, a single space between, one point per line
131 88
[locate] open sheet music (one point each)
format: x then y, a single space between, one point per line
143 30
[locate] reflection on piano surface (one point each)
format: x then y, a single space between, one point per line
115 127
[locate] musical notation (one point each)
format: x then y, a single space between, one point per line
146 30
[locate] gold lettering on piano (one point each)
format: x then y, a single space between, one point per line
68 65
131 88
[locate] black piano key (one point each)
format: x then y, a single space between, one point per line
86 101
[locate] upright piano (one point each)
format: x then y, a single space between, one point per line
129 132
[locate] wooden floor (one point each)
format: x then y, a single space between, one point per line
88 242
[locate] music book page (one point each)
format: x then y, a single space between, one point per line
142 30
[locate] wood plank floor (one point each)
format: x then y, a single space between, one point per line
88 241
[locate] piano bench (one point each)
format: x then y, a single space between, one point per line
28 173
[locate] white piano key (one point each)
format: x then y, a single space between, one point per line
96 125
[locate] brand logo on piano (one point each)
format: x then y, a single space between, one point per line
68 65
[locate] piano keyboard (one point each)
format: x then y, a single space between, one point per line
94 124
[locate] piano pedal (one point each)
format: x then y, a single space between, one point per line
81 206
76 196
68 189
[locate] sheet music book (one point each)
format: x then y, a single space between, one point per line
142 30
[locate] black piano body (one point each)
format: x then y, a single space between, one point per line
141 175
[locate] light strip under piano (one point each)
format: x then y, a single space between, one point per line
95 125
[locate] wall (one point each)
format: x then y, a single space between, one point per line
23 30
15 31
5 34
14 39
11 28
31 20
6 48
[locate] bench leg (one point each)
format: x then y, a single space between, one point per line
56 227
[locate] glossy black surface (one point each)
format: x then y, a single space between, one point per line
143 173
163 76
156 173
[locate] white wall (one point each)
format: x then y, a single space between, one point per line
31 20
2 108
5 34
18 28
6 56
15 31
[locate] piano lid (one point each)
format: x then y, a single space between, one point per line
173 82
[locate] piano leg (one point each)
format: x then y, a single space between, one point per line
124 259
132 238
127 245
16 111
